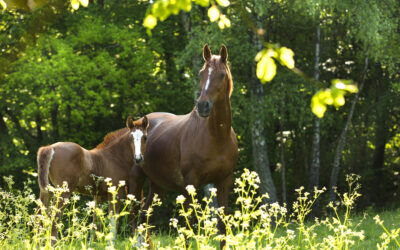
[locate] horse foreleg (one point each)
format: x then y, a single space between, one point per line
223 189
144 217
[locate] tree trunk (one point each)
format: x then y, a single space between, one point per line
283 166
381 137
342 138
257 127
315 158
258 138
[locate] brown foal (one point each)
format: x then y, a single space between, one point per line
113 158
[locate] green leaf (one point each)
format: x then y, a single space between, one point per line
84 3
202 3
213 13
346 85
286 57
223 3
150 21
266 67
224 22
75 4
318 105
339 99
3 4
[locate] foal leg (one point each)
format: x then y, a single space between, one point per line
223 189
98 226
135 184
60 208
113 210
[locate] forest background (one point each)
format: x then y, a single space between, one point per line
70 75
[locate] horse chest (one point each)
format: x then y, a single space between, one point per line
207 166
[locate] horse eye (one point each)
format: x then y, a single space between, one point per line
222 75
145 138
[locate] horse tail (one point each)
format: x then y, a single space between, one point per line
44 158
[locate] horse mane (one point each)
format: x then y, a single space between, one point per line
110 137
230 82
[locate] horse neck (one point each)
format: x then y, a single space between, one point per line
220 119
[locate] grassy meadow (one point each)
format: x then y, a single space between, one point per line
26 224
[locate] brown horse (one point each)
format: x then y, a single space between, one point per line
71 163
197 148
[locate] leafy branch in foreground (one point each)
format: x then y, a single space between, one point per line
266 66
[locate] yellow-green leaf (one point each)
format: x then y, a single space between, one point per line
317 105
339 100
260 55
224 22
223 3
3 4
85 3
203 3
186 5
75 4
150 21
286 57
346 85
266 68
213 13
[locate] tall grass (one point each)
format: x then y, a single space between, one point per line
25 223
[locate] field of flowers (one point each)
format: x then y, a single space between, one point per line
26 224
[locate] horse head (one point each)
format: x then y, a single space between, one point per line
215 80
138 133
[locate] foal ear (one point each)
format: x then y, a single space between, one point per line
206 53
224 54
129 122
145 122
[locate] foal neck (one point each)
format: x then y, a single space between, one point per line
120 151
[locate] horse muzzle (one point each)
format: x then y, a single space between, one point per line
204 108
138 159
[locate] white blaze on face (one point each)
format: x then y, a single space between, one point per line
137 140
208 79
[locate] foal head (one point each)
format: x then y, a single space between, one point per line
138 134
215 80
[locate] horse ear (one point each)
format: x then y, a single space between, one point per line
206 53
145 122
224 54
129 122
